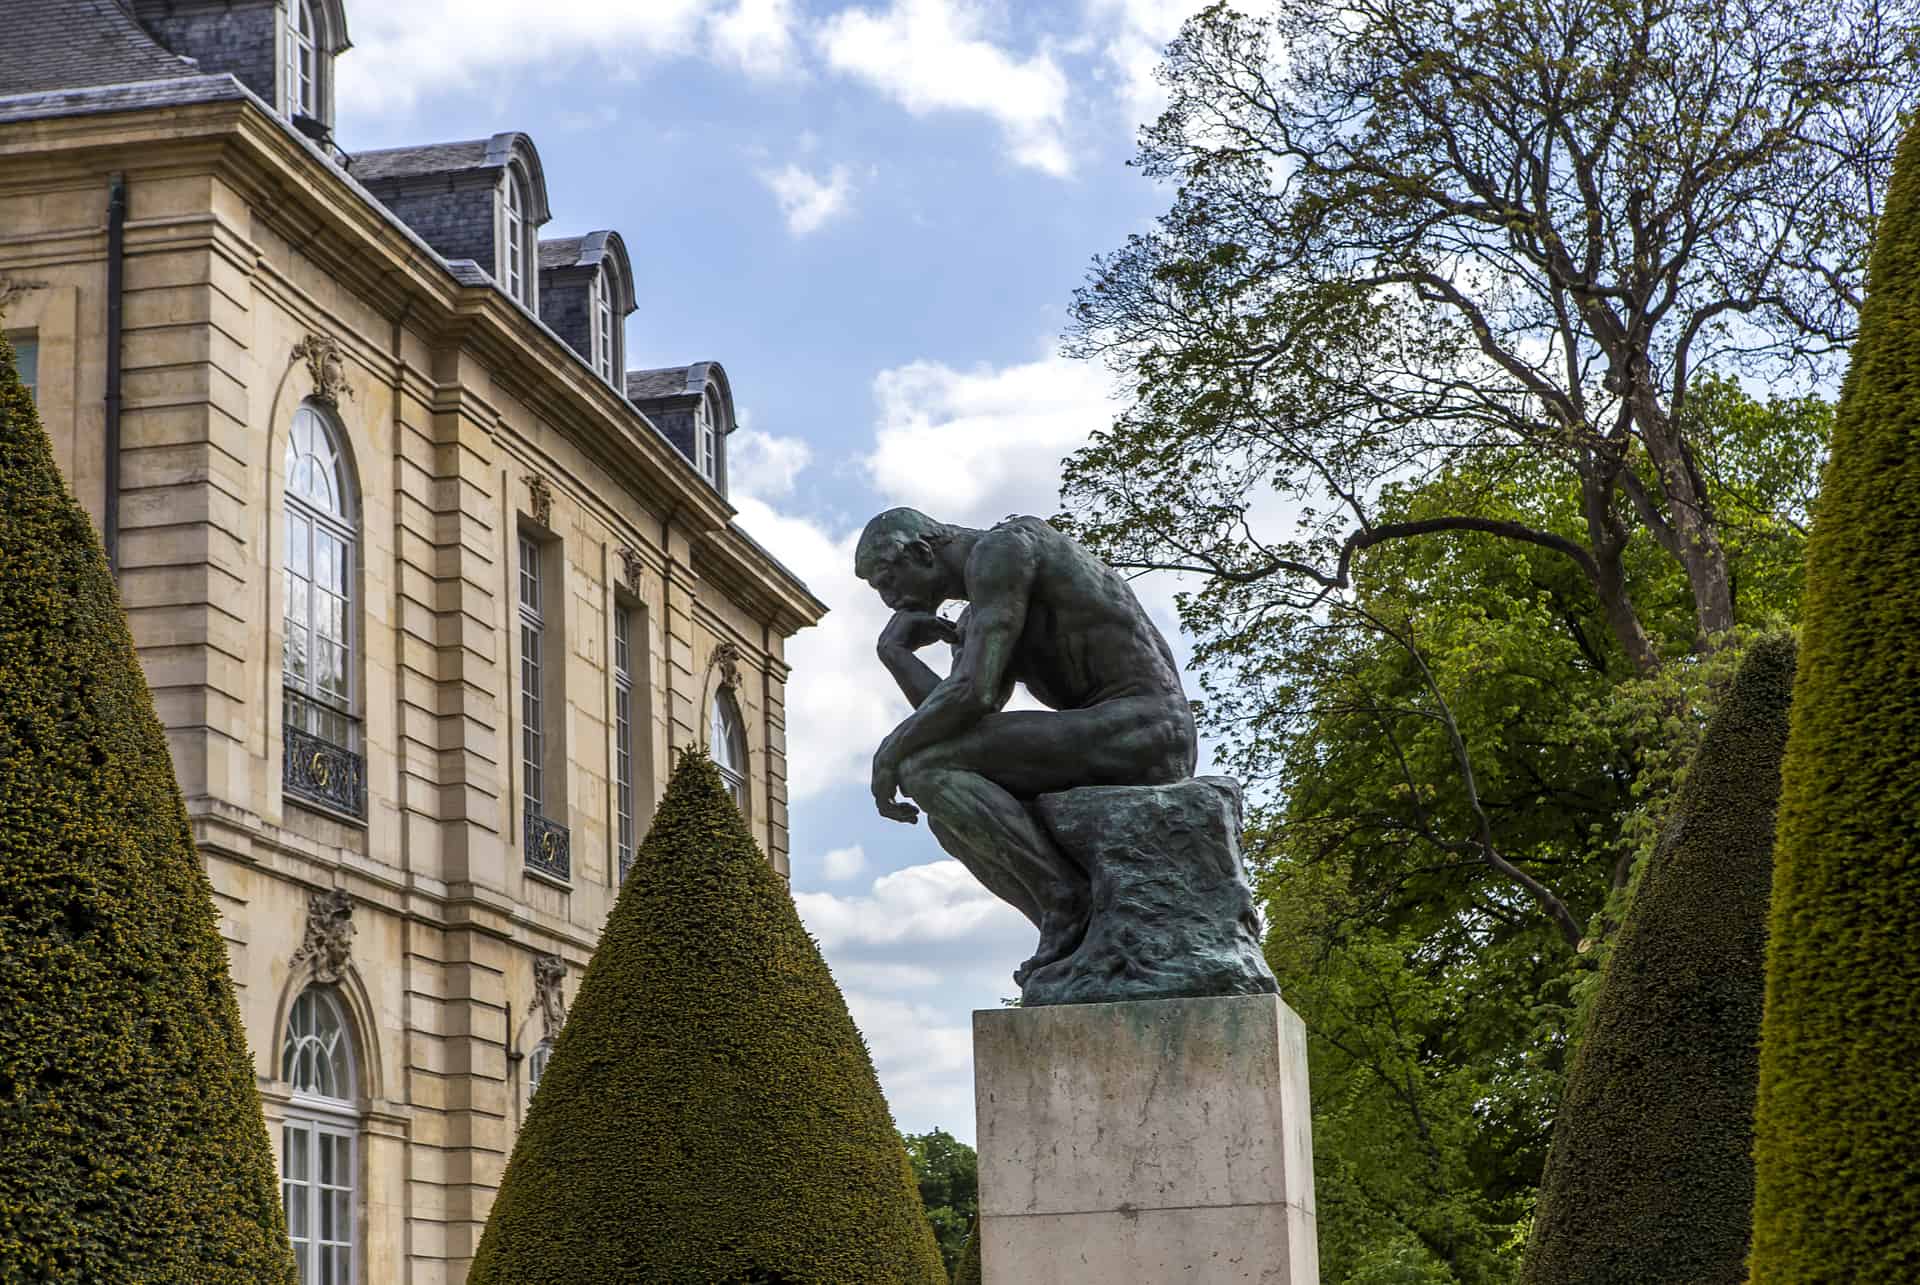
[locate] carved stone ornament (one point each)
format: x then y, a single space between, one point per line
633 567
329 938
541 496
549 976
328 368
726 658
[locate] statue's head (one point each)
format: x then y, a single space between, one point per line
898 555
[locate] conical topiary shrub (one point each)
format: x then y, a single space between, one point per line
1839 1109
710 1113
1650 1178
132 1147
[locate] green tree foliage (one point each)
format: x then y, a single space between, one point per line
1839 1101
1650 1177
710 1113
1406 235
1466 703
1436 365
948 1172
132 1147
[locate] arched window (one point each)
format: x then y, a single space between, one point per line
303 71
323 764
605 331
318 1167
727 743
513 237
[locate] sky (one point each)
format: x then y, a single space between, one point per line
873 214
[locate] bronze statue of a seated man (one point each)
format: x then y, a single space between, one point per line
1045 612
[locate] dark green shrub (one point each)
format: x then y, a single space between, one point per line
710 1112
1650 1176
132 1148
1839 1107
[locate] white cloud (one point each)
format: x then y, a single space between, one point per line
973 446
934 55
924 1059
844 863
807 201
915 954
757 37
937 902
407 50
839 711
1133 36
765 465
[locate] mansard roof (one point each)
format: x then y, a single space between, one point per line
474 156
668 382
79 44
557 254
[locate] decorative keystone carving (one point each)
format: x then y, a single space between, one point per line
541 496
549 977
633 567
726 658
322 354
329 938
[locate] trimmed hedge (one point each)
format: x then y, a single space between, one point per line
710 1113
132 1147
1650 1177
1839 1107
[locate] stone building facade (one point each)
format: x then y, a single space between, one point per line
426 600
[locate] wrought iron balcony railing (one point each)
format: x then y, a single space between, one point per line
549 851
315 769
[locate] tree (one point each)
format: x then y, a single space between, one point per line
709 1113
948 1173
1839 1103
1409 234
1466 701
132 1147
1650 1177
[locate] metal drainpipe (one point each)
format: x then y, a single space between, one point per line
116 246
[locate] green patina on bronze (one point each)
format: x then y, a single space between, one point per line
1082 815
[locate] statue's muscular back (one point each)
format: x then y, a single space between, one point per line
1086 640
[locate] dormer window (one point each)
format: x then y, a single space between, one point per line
706 440
513 239
604 357
303 64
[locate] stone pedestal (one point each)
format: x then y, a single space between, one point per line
1145 1142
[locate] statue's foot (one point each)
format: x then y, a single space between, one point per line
1061 932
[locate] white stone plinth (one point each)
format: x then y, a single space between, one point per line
1145 1142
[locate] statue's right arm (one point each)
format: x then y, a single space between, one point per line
916 681
905 635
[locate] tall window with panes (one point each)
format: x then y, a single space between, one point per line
706 449
318 1167
623 732
303 74
513 237
533 745
322 762
604 331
